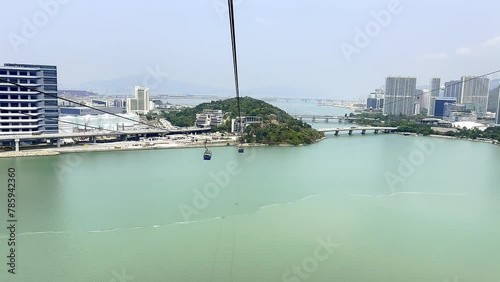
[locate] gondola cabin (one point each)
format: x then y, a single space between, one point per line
207 155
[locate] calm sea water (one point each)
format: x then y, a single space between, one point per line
350 208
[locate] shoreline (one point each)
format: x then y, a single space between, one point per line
130 146
488 141
134 145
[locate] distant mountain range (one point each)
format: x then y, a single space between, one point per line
125 86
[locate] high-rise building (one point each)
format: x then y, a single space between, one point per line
399 95
435 85
475 92
493 99
375 99
140 104
498 112
425 99
432 106
453 88
23 111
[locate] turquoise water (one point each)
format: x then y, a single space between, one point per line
387 208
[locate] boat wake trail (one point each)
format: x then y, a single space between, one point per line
33 233
411 193
290 203
108 230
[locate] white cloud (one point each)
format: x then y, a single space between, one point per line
464 51
439 56
492 42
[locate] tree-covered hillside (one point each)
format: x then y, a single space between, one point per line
277 127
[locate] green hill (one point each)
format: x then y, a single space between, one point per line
277 127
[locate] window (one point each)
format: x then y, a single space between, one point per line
51 73
4 88
50 80
23 73
14 88
22 80
50 87
4 72
13 72
51 103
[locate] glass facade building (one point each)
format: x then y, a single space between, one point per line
23 111
440 106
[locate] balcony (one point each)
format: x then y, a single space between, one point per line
20 108
18 126
20 114
21 100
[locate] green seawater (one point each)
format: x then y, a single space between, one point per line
388 207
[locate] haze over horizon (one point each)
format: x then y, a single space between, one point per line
329 49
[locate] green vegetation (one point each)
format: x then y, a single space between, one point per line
490 133
413 124
403 123
277 126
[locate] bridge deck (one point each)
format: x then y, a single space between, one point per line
356 129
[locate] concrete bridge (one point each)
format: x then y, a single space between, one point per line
123 135
362 129
326 118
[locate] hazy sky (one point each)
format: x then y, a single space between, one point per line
289 43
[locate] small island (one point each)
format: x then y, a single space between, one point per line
271 126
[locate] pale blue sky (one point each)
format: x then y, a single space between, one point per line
292 43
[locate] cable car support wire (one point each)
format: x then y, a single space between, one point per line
235 66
